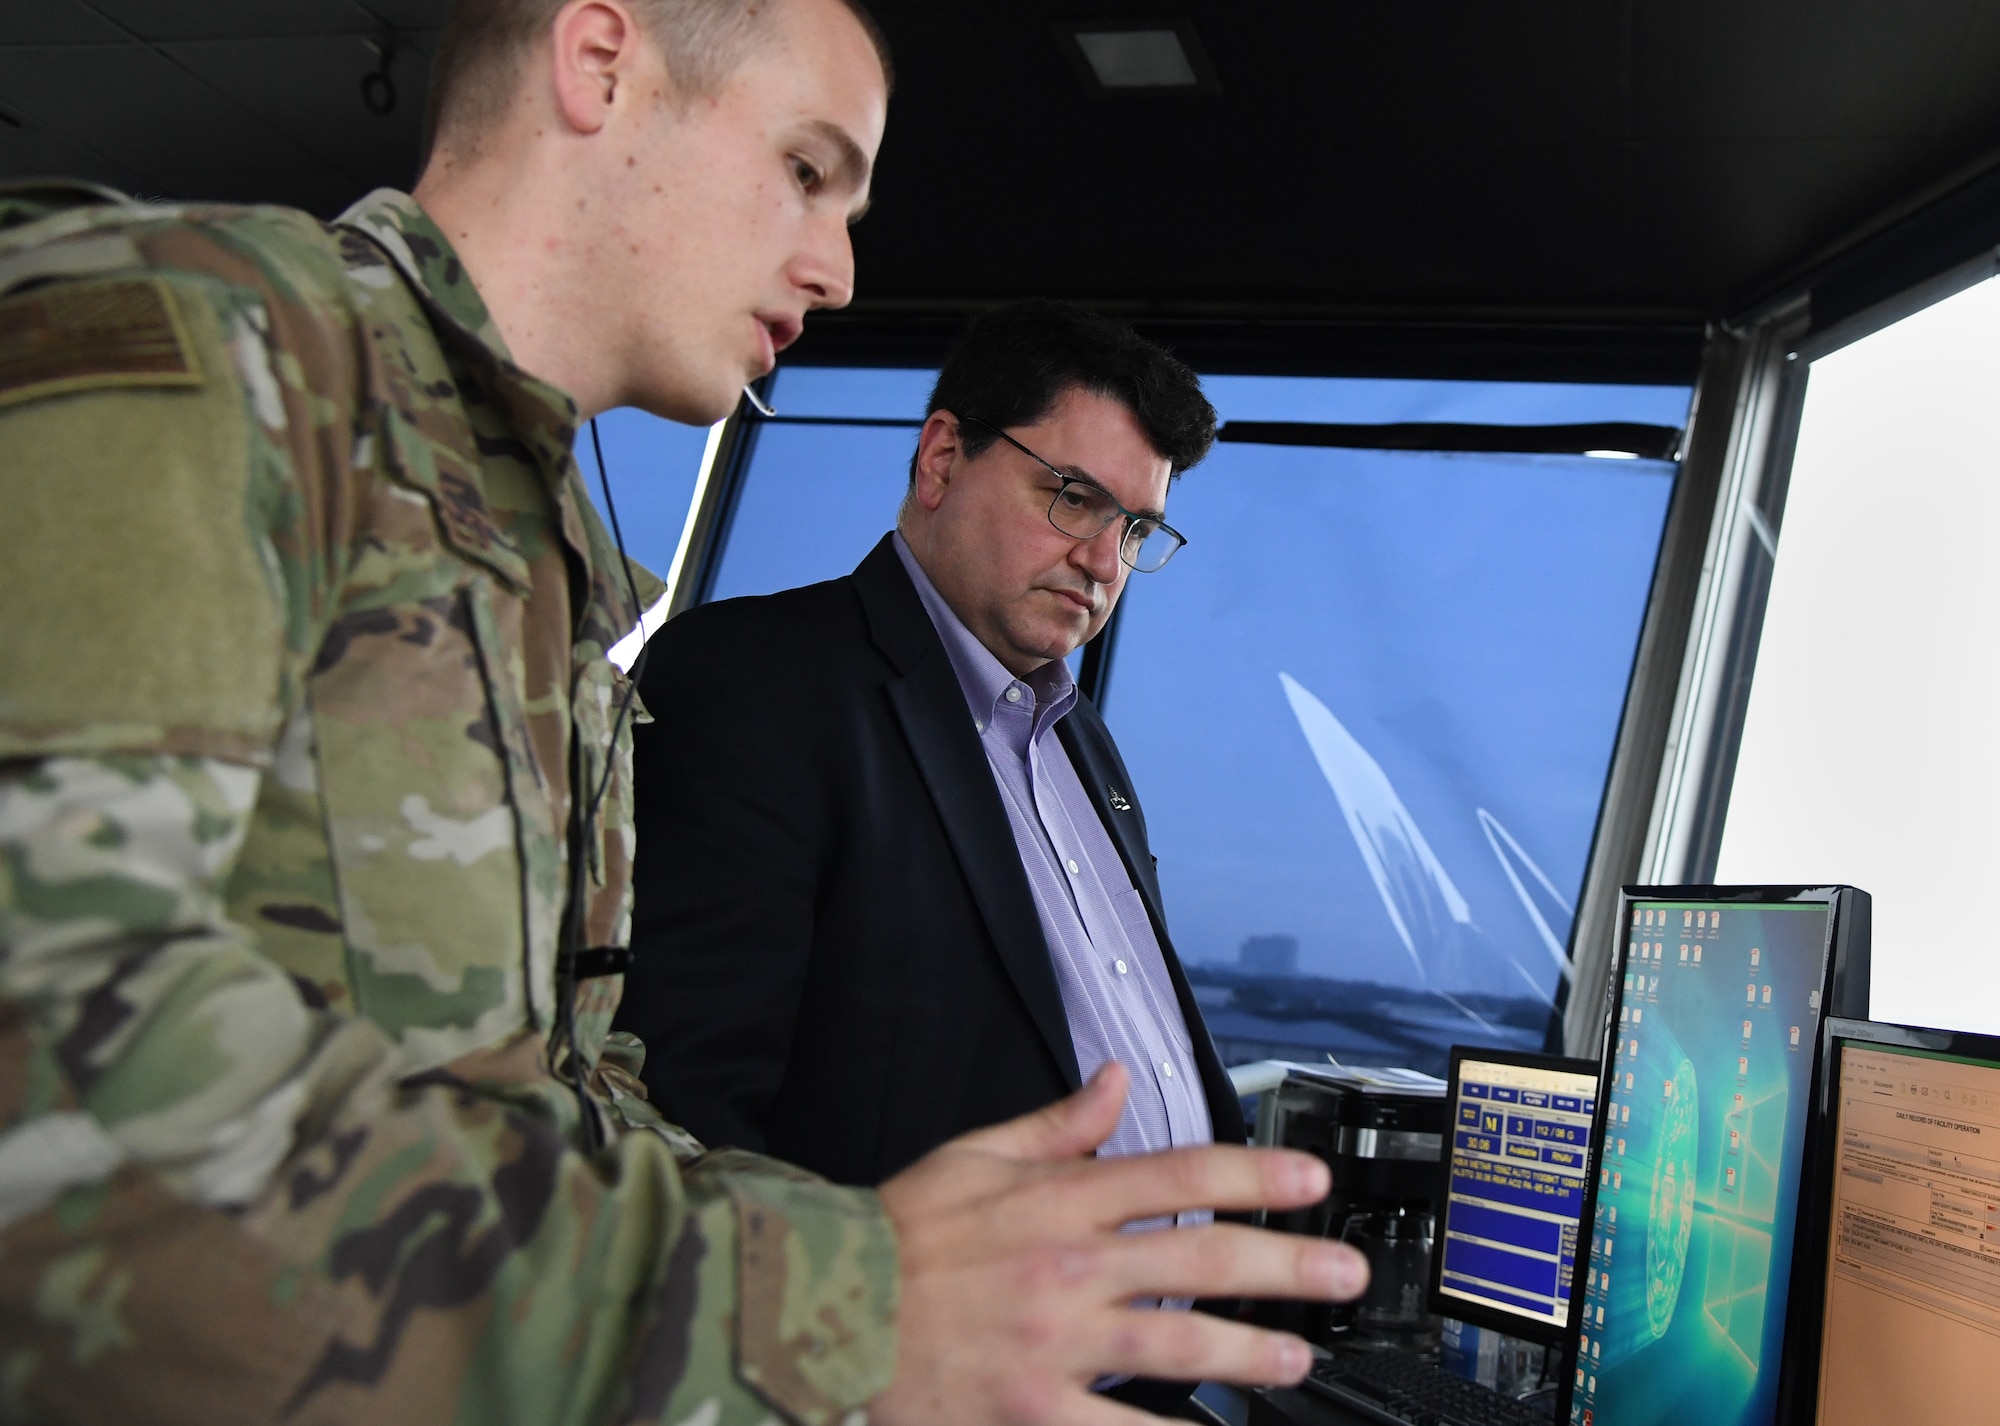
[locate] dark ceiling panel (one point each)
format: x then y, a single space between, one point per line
30 150
55 22
1362 233
1416 73
135 105
1970 102
227 19
1455 169
1323 180
408 14
1666 157
309 89
1724 209
1796 69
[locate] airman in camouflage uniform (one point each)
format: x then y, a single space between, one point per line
284 862
304 714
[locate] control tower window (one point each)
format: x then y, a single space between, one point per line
1369 709
1876 657
653 464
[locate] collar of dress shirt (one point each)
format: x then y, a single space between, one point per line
983 677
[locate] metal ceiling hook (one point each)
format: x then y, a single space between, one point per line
378 86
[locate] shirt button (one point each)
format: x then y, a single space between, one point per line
1073 867
1166 1069
1013 695
1120 965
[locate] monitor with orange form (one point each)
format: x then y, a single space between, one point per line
1910 1178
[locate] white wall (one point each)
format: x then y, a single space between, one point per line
1869 755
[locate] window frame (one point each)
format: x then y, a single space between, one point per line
1663 817
1706 447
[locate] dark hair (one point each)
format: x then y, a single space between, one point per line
1014 364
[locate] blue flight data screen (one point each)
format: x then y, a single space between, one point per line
1689 1264
1520 1154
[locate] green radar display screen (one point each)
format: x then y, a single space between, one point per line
1707 1092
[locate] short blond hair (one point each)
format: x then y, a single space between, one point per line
477 67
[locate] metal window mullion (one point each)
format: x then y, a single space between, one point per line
1735 575
1694 698
1696 585
693 526
1632 778
724 465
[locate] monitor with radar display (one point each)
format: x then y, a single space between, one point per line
1704 1104
1910 1169
1504 1254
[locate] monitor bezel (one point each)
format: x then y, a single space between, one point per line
1548 1334
1839 1031
1843 978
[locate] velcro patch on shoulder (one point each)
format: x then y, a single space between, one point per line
75 336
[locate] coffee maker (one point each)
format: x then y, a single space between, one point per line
1381 1133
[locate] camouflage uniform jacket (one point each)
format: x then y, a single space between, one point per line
302 660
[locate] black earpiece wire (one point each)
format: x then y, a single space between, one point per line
583 821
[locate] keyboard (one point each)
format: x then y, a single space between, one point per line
1399 1390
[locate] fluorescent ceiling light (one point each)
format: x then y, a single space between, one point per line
1137 59
1612 455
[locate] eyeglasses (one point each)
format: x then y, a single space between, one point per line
1082 509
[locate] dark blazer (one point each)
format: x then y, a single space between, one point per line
837 957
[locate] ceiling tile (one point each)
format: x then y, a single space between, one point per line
1727 217
136 108
1795 69
407 14
310 90
32 152
55 22
1661 156
212 19
1970 104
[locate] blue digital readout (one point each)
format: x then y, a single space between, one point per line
1519 1157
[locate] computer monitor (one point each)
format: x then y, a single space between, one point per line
1704 1105
1504 1246
1909 1174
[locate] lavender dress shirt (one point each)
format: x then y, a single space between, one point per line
1116 993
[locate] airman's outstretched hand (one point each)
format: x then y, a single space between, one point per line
1016 1279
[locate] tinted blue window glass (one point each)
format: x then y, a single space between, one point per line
1496 403
653 464
814 502
852 391
1370 709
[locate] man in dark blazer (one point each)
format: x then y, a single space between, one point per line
892 875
